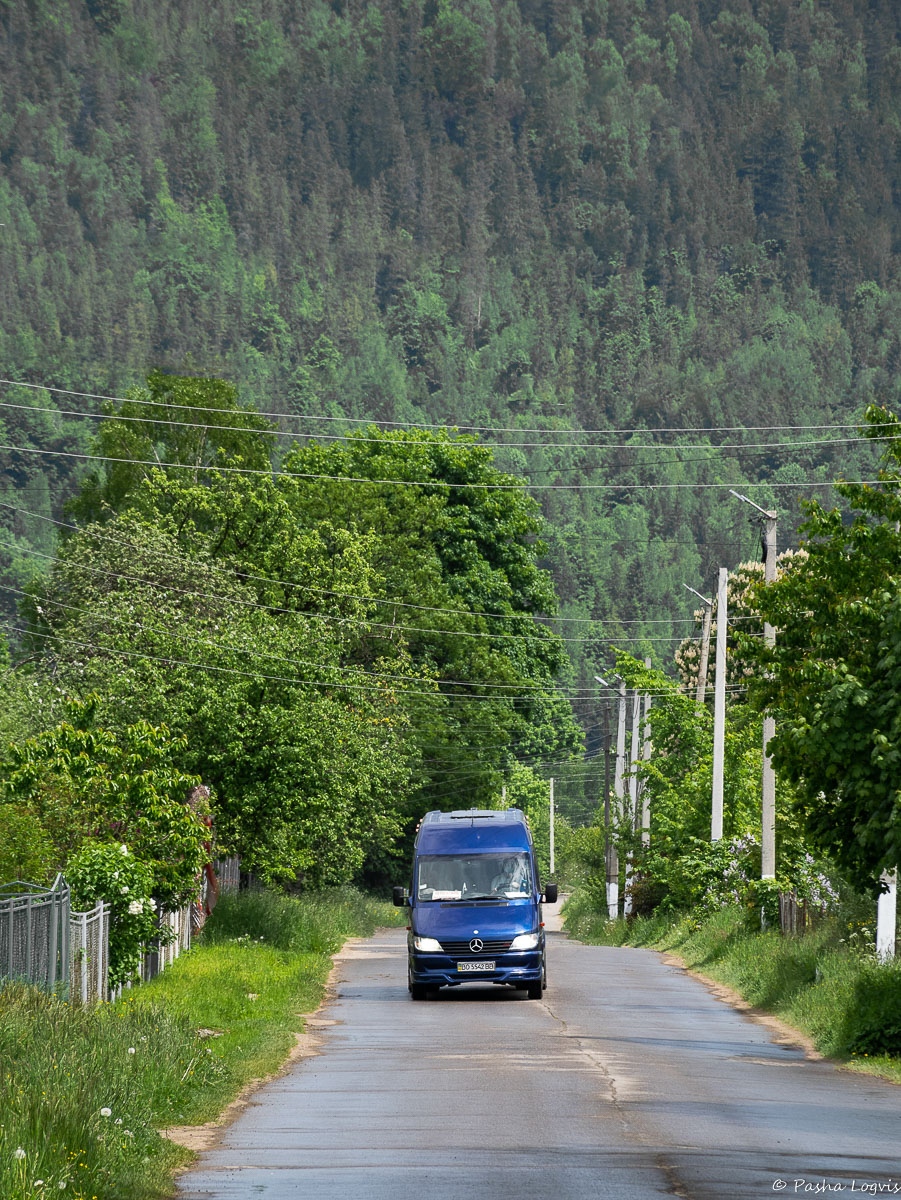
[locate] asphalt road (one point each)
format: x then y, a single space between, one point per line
628 1081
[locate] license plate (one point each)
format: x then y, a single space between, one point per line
475 966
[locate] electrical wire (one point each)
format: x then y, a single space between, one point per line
356 439
204 566
442 425
518 485
367 626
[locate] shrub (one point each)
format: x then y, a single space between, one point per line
579 853
873 1022
100 871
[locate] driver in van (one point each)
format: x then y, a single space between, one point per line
511 877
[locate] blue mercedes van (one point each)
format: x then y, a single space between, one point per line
475 903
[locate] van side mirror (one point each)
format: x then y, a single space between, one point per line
550 893
399 896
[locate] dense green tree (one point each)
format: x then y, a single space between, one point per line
84 782
525 216
302 751
832 680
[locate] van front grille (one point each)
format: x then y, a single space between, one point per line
487 947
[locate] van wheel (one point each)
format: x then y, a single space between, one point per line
534 990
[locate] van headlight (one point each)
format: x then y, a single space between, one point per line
429 945
525 941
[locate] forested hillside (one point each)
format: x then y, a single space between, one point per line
636 244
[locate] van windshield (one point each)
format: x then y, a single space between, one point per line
473 877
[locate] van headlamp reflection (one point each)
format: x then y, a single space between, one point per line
525 941
429 945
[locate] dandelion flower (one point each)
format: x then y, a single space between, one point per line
131 1050
18 1153
106 1112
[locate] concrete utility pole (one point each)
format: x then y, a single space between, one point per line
618 805
611 867
719 708
768 819
646 750
634 760
551 864
705 645
768 780
886 917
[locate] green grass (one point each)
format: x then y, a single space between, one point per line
848 1004
84 1091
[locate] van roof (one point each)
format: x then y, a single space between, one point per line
502 815
473 829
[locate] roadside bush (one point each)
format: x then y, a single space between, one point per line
873 1022
112 874
579 853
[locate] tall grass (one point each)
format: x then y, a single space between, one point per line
84 1091
827 983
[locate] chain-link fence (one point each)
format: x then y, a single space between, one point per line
34 933
43 942
89 955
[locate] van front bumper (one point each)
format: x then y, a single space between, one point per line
448 970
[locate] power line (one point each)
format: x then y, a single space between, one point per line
343 685
356 439
206 566
276 416
329 618
519 485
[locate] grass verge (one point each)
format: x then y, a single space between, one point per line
84 1091
846 1002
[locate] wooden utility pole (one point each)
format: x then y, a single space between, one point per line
618 805
719 708
705 645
